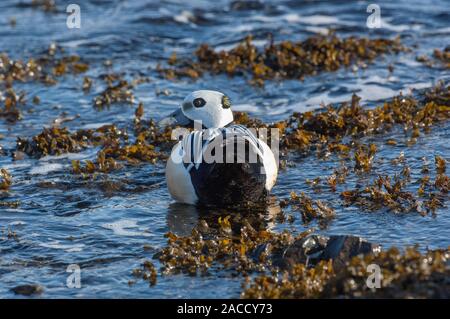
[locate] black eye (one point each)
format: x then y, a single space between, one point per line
199 102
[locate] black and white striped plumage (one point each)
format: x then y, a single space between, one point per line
220 166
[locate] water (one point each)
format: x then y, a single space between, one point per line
62 221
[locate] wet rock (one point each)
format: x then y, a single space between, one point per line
27 290
315 248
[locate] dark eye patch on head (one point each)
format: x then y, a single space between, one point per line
199 102
226 103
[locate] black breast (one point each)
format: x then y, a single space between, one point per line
229 182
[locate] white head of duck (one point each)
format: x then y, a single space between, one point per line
210 108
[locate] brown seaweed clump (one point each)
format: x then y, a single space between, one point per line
440 164
57 141
364 157
11 100
410 274
44 68
439 57
102 165
443 56
135 153
107 158
149 132
10 204
149 146
54 141
118 89
5 179
284 60
389 193
301 282
45 5
120 92
148 272
309 209
325 130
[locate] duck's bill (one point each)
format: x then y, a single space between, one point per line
177 118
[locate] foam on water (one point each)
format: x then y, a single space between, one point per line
46 168
120 228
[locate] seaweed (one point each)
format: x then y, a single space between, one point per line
53 141
390 193
441 58
410 274
14 204
302 266
87 84
56 141
142 150
440 164
11 100
233 243
325 129
118 89
120 92
309 209
45 68
45 5
106 158
301 282
103 165
5 179
147 272
364 157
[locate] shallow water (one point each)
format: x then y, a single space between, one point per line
62 221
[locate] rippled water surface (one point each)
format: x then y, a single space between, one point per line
61 221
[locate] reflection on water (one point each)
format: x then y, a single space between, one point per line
182 218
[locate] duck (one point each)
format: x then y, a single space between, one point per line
219 163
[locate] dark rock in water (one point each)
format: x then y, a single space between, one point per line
342 248
314 248
27 290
